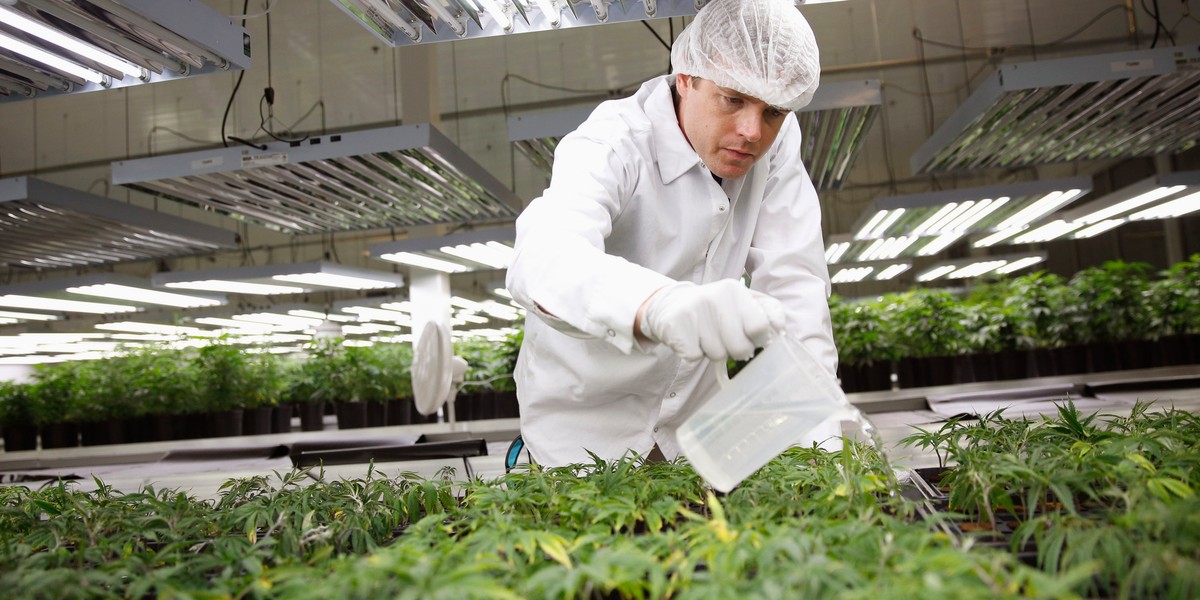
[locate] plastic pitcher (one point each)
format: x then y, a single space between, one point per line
771 404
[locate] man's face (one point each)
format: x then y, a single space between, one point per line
729 130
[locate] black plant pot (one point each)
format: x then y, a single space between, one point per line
160 427
963 370
1103 357
507 406
398 412
1041 362
377 414
256 421
60 435
189 426
225 423
1135 354
281 419
1070 360
861 377
137 429
101 433
20 437
351 415
312 415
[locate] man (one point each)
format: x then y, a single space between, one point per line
631 263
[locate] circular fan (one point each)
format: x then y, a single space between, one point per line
436 370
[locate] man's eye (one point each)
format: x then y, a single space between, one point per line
731 100
775 113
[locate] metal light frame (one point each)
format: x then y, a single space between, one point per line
1136 202
57 289
869 271
1011 262
927 223
1123 104
833 126
431 248
48 226
408 22
162 39
270 274
391 177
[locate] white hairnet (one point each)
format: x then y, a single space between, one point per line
761 48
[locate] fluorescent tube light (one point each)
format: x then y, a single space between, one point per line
232 324
139 327
8 314
1019 264
998 237
19 21
53 61
936 272
235 287
851 274
145 296
288 321
312 314
832 254
1130 204
1098 228
1047 232
337 281
1169 210
976 269
1044 206
57 305
492 254
496 10
940 243
892 271
424 262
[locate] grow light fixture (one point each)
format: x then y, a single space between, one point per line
978 266
48 226
1137 103
24 316
408 22
280 279
960 212
835 125
1163 196
63 295
458 253
53 47
874 271
154 328
391 177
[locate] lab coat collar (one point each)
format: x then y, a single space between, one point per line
673 152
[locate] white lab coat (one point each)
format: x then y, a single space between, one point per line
631 208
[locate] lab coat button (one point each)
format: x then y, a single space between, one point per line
612 333
655 430
722 209
673 394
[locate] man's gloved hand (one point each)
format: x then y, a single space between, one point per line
720 320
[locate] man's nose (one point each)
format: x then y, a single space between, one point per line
750 126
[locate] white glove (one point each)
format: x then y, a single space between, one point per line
720 320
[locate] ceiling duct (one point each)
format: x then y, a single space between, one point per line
47 226
925 224
50 47
834 127
390 177
1124 104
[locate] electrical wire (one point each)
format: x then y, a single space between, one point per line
1051 44
270 5
1159 26
237 85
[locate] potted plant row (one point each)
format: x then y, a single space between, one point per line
1111 317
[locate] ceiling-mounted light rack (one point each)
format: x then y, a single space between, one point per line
927 223
1164 196
48 226
267 280
1137 103
884 270
485 249
390 177
407 22
979 266
833 126
50 47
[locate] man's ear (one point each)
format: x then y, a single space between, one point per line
682 80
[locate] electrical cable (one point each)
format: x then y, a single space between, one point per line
1065 38
1159 26
265 12
237 85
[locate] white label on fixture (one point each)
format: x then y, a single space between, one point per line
205 163
1126 66
250 161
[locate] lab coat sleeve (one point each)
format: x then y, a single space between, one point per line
787 253
560 270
